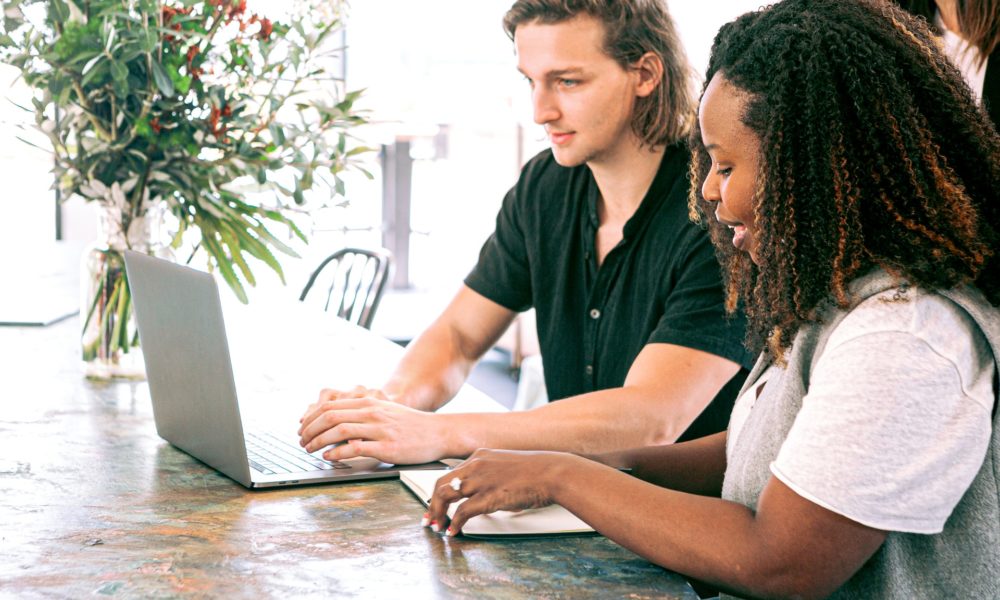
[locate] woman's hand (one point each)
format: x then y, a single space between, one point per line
492 480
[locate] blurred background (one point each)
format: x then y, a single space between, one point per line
451 123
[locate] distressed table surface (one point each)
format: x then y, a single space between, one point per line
94 503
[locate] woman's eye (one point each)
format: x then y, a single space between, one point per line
725 172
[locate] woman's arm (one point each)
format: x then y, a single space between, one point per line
789 547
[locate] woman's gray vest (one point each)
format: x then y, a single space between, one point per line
963 561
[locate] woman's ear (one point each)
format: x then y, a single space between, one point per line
649 69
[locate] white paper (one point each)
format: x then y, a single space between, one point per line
549 520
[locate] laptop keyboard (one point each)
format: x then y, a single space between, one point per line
272 455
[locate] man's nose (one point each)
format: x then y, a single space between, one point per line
544 105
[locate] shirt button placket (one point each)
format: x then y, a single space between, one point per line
595 314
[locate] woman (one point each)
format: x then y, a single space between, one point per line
851 183
970 31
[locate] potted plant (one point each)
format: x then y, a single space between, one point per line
183 112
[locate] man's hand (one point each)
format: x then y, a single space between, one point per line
359 391
329 394
372 426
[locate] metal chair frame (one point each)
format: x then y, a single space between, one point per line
359 280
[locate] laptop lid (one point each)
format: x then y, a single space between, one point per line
190 375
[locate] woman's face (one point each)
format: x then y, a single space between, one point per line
735 152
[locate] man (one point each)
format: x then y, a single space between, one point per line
970 32
594 236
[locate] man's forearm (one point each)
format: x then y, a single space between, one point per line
695 467
430 373
436 364
597 422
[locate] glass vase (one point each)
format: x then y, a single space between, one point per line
110 338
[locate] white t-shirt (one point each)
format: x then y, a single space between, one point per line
897 418
965 57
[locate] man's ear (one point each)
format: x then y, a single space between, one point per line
649 69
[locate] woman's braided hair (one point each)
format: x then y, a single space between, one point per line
874 153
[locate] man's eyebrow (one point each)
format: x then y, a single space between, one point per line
556 73
564 72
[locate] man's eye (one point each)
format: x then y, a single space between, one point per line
569 82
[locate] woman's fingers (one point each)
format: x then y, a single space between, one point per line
474 506
447 492
490 480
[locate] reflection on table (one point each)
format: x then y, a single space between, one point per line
92 501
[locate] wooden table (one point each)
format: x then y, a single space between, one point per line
94 503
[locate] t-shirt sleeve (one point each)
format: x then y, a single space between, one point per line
502 273
694 313
887 439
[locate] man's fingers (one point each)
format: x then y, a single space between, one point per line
331 394
325 395
309 410
355 448
340 432
328 394
330 414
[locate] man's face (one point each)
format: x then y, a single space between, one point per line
580 94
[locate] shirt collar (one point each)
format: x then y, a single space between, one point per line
655 196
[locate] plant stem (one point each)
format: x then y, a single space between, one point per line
138 193
85 105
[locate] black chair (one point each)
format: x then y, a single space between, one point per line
357 279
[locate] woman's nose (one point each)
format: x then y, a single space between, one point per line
710 188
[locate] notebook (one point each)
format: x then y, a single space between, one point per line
193 392
40 301
550 520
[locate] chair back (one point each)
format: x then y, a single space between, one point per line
353 280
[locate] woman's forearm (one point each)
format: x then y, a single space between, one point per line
787 547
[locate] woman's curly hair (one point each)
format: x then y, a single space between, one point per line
874 153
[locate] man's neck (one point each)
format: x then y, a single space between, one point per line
948 11
623 182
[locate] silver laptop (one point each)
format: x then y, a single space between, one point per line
193 392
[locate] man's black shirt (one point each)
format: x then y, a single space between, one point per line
660 284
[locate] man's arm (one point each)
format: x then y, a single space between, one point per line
696 466
666 389
437 363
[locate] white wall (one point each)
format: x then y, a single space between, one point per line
424 63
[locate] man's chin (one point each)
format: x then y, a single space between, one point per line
567 159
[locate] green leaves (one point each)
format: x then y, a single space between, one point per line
228 118
163 81
119 72
277 134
